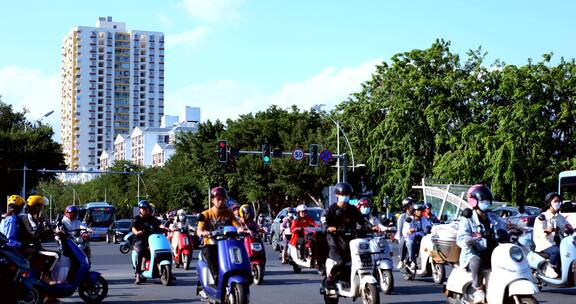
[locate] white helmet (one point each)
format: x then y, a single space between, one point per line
301 208
181 215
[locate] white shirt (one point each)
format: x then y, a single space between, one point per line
544 240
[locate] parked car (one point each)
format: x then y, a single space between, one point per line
121 228
316 213
514 219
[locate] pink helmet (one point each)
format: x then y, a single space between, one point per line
478 192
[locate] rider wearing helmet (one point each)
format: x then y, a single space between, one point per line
427 213
70 220
215 218
247 219
419 226
297 228
143 225
476 237
546 228
33 225
236 210
180 222
286 234
341 216
365 207
400 233
11 224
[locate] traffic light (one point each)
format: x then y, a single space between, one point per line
266 155
313 155
222 151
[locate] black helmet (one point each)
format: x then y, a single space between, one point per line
550 196
217 191
144 204
428 205
343 189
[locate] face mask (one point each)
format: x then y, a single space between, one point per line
484 205
343 198
365 210
556 206
182 217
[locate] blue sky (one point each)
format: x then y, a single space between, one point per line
232 57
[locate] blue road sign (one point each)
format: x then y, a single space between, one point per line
326 155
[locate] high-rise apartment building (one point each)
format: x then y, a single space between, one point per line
112 82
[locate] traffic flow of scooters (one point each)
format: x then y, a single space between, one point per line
477 256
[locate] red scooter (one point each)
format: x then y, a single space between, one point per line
183 254
257 254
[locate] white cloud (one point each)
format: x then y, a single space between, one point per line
188 38
30 89
213 10
229 99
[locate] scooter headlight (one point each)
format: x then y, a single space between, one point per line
256 246
516 254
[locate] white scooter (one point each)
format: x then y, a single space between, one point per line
313 257
383 265
427 265
509 280
361 282
539 262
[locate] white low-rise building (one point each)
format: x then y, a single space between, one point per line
151 146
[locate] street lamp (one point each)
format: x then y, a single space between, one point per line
24 169
317 108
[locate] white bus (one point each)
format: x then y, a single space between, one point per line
567 188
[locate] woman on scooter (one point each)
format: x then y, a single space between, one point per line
476 238
180 222
297 228
247 220
341 216
286 234
365 207
419 227
9 225
142 226
546 232
406 212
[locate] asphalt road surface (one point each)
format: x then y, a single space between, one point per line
281 285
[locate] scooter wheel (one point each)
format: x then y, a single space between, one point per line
186 261
238 295
166 275
438 273
95 291
31 296
258 274
296 268
386 280
370 294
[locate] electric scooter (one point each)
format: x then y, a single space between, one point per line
539 261
183 253
509 280
257 254
427 265
361 282
91 286
126 243
159 264
315 252
383 265
235 273
15 275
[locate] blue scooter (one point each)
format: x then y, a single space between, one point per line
235 275
91 286
159 264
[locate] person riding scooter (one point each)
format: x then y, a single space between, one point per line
217 217
247 222
10 224
419 227
476 238
546 231
406 212
142 226
344 217
286 235
70 221
180 222
365 207
427 213
302 221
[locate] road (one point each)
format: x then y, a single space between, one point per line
281 285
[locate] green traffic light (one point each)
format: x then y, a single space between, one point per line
266 159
